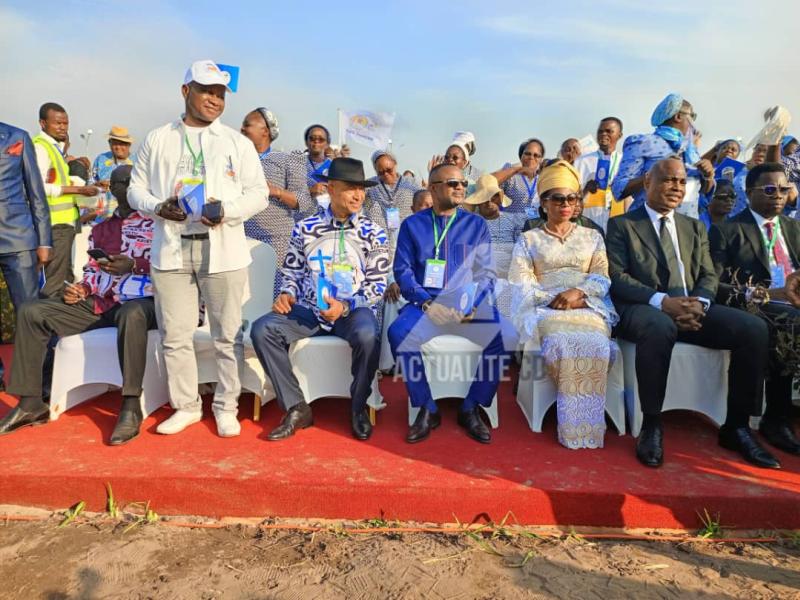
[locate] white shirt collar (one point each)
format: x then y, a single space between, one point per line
655 217
52 140
761 220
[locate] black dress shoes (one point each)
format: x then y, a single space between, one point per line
741 440
476 428
127 427
362 428
298 417
19 418
423 424
650 446
780 435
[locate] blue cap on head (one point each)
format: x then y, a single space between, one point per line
666 109
786 140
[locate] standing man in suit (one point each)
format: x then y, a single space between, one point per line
759 248
25 241
663 283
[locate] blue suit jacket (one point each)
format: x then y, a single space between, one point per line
24 214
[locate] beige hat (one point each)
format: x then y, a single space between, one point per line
120 134
485 189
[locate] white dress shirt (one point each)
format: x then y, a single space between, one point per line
233 175
655 219
43 162
760 221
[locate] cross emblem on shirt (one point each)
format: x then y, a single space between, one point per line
319 256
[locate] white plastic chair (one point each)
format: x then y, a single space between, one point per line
322 367
86 366
256 301
536 392
441 374
79 248
391 310
697 380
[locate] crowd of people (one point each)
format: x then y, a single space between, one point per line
650 242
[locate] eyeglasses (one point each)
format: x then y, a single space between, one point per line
453 183
562 200
772 190
690 113
316 138
452 157
724 196
531 154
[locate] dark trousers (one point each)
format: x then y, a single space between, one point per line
273 333
22 279
38 321
413 328
724 328
59 268
778 389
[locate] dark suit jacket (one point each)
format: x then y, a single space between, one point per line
740 257
638 267
24 214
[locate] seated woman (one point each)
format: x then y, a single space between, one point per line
560 276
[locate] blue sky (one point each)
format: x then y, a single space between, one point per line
506 71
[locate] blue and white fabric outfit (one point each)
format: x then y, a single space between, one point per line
523 194
102 167
274 224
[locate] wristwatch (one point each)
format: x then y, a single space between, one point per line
426 305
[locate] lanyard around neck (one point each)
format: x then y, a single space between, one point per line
437 241
197 159
532 187
770 243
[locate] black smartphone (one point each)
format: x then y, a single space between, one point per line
99 255
213 211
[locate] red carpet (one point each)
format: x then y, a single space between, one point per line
323 472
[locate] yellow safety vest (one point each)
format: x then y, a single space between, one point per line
63 210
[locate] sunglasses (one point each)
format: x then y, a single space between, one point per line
532 154
692 115
314 138
772 190
562 200
724 196
453 183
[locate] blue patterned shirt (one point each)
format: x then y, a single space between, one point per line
639 154
791 164
522 198
314 247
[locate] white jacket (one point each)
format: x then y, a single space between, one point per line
233 174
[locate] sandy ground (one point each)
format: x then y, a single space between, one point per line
95 558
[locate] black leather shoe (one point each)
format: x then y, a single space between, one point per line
362 428
423 424
298 417
476 428
19 418
780 435
127 427
650 446
741 440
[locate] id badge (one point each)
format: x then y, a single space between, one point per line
778 277
601 175
393 218
434 273
343 280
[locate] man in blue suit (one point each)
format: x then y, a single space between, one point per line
25 239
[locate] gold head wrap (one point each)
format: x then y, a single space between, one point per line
559 174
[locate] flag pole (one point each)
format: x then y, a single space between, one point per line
339 121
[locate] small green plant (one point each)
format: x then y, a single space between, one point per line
711 527
112 508
148 515
72 513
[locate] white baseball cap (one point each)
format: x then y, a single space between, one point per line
208 73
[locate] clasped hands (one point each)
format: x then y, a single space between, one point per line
687 311
569 299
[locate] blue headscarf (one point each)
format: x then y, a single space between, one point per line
666 109
786 140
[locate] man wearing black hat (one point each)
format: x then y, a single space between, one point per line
334 275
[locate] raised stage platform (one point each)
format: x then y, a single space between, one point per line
323 472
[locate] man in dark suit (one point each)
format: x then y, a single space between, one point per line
757 249
663 283
25 240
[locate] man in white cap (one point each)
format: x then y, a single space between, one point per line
200 180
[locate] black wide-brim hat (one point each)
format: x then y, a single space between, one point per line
350 170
